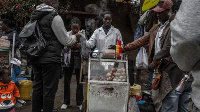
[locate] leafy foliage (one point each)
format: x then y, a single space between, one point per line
18 9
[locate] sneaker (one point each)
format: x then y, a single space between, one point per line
18 105
64 106
80 107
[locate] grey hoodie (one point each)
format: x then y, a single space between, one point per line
185 43
57 24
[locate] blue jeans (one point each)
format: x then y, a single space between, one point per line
174 102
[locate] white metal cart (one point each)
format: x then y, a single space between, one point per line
107 86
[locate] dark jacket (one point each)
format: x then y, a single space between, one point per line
54 47
148 38
168 65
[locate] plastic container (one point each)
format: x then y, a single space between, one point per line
25 89
95 53
108 54
135 90
4 43
141 102
20 79
118 49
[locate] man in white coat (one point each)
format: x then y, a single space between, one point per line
105 36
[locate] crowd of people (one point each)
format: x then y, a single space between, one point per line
172 54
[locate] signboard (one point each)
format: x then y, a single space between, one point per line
108 98
149 4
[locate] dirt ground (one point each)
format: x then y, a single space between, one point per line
58 99
143 78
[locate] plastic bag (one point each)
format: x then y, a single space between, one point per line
66 57
85 51
142 59
132 105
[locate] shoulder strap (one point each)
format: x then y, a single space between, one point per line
53 14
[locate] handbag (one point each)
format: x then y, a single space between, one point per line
161 66
156 83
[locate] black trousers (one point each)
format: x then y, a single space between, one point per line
45 85
68 71
130 72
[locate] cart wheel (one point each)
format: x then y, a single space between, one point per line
84 106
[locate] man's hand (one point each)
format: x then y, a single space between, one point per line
78 36
151 67
78 45
125 48
4 37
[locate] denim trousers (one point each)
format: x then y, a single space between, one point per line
174 102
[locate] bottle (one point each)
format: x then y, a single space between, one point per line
179 89
118 49
137 89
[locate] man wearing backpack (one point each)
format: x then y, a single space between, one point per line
47 68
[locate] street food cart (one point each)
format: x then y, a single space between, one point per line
108 84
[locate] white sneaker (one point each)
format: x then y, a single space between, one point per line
80 107
64 106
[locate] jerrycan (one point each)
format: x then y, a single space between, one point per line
135 90
25 89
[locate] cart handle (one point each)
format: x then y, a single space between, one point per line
109 88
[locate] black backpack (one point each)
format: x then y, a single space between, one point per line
33 43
